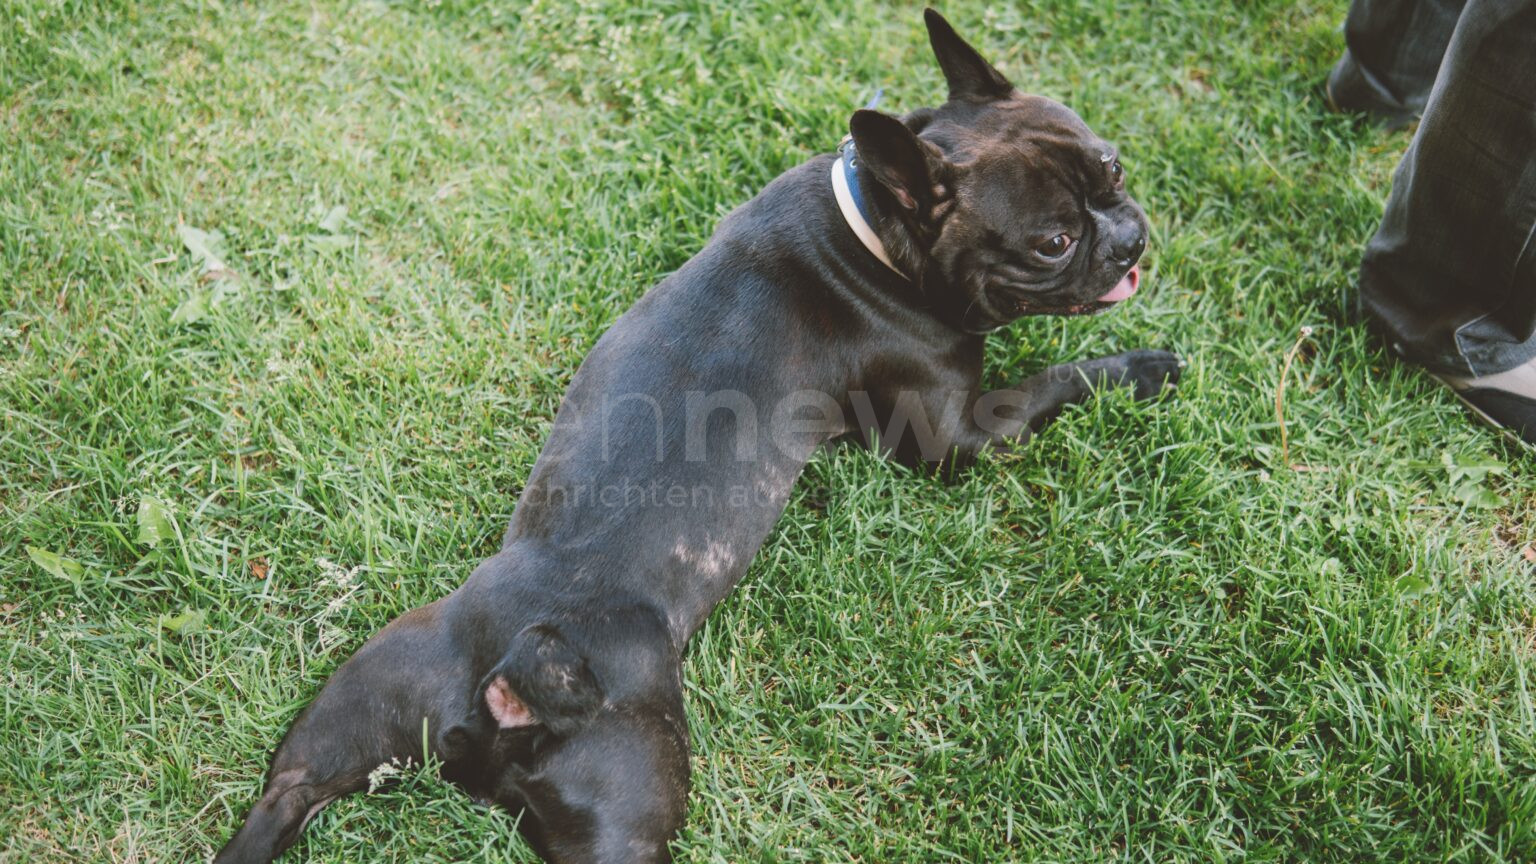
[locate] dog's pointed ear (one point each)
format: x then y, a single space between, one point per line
906 165
970 77
542 681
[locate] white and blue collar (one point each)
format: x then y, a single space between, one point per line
850 200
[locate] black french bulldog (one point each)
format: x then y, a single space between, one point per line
849 300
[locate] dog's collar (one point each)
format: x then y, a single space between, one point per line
850 200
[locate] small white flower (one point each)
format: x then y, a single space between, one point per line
341 582
381 775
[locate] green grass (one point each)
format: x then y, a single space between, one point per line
1146 638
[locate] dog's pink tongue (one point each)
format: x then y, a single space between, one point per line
1125 288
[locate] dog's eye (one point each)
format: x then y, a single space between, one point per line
1116 173
1055 247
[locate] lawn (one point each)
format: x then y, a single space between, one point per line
289 293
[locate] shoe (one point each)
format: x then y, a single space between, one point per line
1505 400
1350 91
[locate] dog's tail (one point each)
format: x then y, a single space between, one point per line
542 681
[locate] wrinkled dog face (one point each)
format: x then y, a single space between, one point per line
1015 207
1041 222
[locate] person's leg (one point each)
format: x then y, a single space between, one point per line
1391 55
1451 273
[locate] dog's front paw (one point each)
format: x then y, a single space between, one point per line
1150 372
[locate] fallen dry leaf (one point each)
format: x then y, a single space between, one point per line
1529 552
259 567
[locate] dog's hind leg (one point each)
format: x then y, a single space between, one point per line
370 713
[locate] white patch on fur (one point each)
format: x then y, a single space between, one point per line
712 561
775 482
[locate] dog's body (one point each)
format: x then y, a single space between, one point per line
550 681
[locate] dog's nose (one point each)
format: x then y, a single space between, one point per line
1124 250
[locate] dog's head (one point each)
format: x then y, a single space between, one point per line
1011 205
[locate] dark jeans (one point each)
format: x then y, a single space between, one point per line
1451 272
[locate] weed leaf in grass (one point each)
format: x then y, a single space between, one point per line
207 248
1465 476
57 565
192 310
1473 469
327 244
189 621
334 220
201 303
154 523
1475 494
332 223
